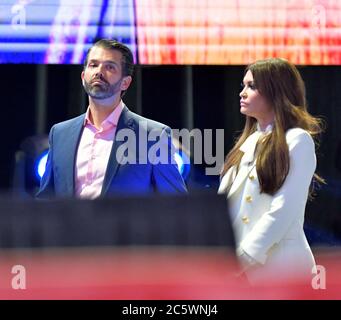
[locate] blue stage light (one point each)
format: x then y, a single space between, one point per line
29 165
183 163
41 164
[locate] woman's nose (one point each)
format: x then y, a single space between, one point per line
243 94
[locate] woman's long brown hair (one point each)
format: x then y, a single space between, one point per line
282 86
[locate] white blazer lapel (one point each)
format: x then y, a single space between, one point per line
247 162
227 180
243 172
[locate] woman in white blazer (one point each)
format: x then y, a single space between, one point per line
268 173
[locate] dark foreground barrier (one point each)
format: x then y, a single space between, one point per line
191 220
173 248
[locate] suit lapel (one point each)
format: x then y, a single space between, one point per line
125 121
71 141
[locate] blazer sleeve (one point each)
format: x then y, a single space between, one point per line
46 189
288 204
166 177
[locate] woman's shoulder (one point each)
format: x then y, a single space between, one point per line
298 135
295 133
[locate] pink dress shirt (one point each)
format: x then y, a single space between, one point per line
93 154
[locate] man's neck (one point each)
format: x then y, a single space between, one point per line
100 110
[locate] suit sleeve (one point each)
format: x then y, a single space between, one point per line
166 177
287 204
46 189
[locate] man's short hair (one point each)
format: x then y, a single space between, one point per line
127 56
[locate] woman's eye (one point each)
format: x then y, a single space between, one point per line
252 86
248 85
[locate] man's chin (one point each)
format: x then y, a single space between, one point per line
98 96
96 93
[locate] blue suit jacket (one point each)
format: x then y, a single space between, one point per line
141 177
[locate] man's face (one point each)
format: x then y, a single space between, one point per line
102 77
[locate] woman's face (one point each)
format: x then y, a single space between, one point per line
253 104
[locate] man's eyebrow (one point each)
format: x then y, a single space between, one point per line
106 61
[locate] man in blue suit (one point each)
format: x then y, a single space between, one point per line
109 150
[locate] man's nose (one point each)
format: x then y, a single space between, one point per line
99 70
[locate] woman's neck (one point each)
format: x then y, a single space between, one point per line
264 123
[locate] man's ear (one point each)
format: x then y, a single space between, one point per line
126 81
82 76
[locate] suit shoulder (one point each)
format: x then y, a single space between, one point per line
70 122
151 124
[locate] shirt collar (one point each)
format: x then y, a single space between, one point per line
268 128
249 145
110 120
